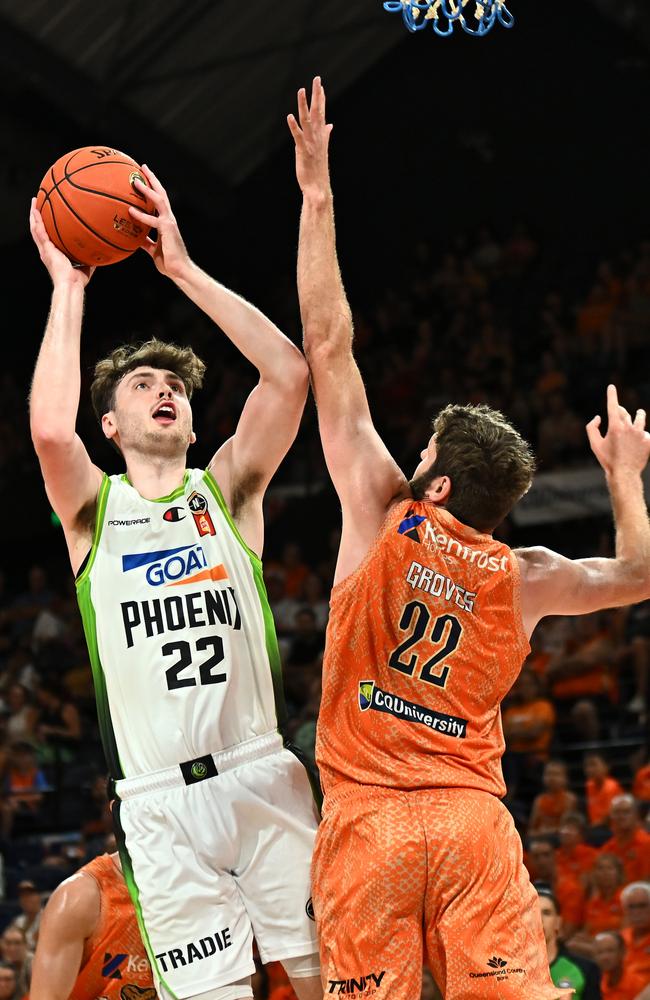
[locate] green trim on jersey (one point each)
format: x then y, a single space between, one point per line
89 621
218 496
102 500
271 639
134 892
178 492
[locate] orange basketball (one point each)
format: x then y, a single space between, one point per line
84 199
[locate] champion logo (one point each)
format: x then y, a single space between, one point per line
496 963
174 514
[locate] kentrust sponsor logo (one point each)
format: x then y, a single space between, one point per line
434 538
114 965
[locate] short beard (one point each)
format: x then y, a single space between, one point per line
150 445
420 484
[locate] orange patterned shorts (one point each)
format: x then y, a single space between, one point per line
400 877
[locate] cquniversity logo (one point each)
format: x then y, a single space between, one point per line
174 567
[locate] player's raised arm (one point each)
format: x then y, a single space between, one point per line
68 920
270 418
554 585
364 474
71 479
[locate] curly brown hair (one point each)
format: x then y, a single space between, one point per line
111 370
488 462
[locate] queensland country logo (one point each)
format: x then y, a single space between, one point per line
499 970
410 525
174 567
365 694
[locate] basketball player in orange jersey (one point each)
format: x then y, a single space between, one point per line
89 944
429 625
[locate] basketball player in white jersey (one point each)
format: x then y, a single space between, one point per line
215 818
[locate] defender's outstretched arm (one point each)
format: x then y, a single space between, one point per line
555 585
366 477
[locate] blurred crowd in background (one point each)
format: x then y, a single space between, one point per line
494 317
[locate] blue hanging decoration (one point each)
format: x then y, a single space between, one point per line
445 14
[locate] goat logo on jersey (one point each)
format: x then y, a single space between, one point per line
174 567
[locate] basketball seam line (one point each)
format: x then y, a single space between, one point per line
78 187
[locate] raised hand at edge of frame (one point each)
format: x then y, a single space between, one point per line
311 134
625 448
168 252
59 267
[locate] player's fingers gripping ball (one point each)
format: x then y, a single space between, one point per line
84 200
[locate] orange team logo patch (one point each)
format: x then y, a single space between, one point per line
199 507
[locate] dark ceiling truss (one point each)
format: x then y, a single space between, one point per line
110 120
127 71
260 51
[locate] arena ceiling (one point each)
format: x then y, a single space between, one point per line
199 87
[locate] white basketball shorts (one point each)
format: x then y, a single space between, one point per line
215 851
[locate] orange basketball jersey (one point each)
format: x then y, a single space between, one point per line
424 640
114 963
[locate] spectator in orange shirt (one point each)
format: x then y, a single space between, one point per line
550 806
636 912
603 908
629 842
641 786
601 789
574 858
295 570
584 671
529 719
528 725
568 891
617 982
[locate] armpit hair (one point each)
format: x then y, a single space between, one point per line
86 516
243 491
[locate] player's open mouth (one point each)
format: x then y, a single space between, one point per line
165 414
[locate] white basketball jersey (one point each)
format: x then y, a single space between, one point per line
181 638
